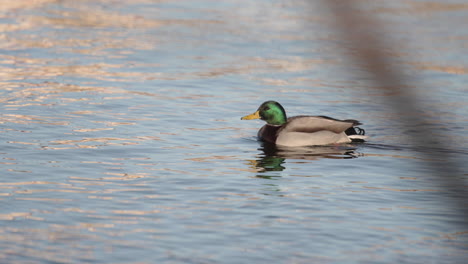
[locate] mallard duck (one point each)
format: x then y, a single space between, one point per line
303 130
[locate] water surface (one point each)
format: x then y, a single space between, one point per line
121 139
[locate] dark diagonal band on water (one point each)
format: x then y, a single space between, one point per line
358 29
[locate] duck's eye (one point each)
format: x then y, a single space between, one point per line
266 108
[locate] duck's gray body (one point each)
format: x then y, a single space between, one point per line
310 131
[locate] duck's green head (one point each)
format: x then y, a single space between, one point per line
271 112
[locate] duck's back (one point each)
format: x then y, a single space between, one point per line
311 124
314 130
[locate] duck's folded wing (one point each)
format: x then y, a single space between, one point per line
310 124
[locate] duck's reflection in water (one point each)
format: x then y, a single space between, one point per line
273 157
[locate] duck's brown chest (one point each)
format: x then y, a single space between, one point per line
269 133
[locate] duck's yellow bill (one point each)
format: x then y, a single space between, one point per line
255 115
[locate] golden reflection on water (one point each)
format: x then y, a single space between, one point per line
413 7
452 69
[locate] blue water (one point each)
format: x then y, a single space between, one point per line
121 139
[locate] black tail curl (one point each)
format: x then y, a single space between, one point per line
355 131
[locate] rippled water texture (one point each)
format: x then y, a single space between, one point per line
121 139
